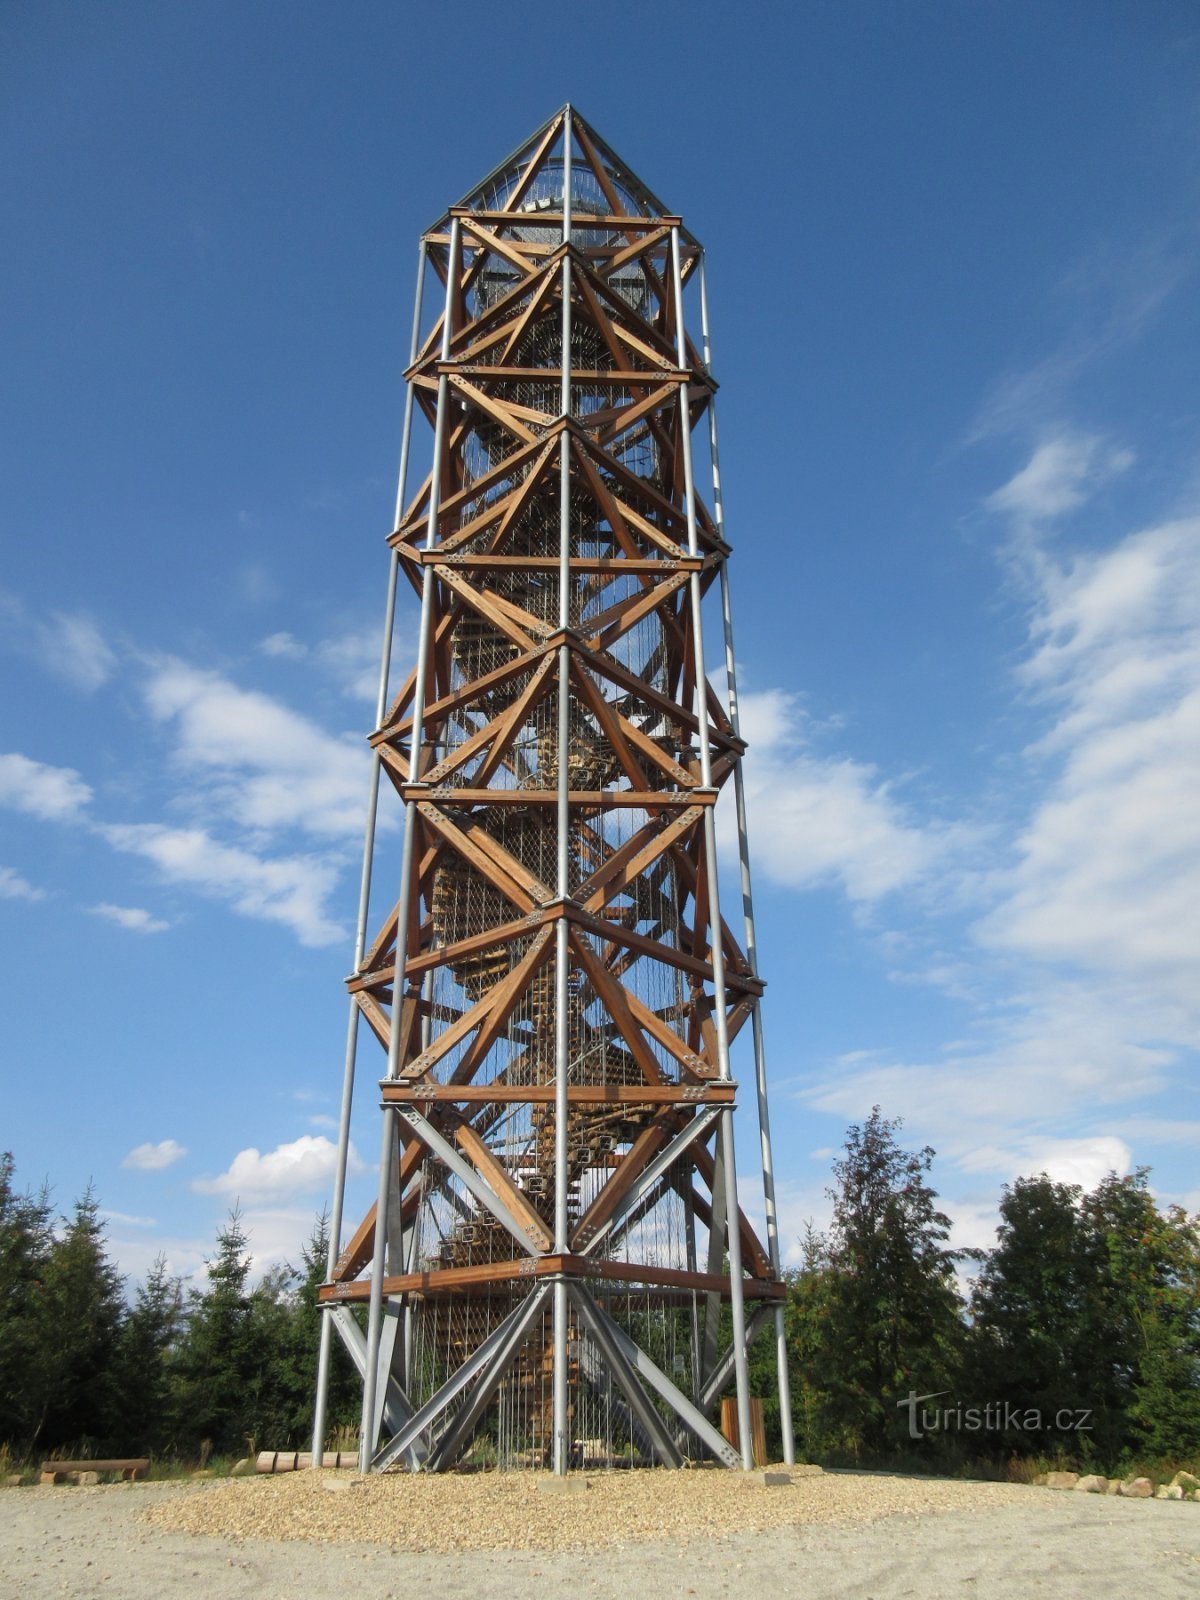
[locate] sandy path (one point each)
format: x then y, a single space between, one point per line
93 1542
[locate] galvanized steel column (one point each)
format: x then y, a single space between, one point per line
364 896
720 1018
387 1144
739 791
562 1042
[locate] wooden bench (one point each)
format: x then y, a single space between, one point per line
130 1467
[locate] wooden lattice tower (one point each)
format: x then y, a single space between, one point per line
546 1266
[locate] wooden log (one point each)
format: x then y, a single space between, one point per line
130 1467
758 1431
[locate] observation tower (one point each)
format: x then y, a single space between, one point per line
557 1270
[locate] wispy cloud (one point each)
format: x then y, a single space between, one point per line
53 794
255 773
255 582
350 658
283 646
1047 1057
132 918
1084 995
1103 305
1107 878
123 1219
14 887
155 1157
68 644
1063 472
824 819
74 648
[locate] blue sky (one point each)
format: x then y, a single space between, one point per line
952 267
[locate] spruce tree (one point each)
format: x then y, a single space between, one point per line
81 1316
144 1363
25 1243
218 1373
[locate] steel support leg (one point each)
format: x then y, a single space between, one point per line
627 1379
375 1308
513 1325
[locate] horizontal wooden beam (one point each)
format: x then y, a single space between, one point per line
608 221
578 1094
589 799
619 566
448 1280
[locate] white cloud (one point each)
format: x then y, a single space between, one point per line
1105 302
274 1235
303 1166
1054 1056
1084 1161
261 764
1084 991
255 581
291 890
248 761
352 659
68 644
1059 476
1108 875
277 1235
136 1250
798 1205
821 819
283 645
14 887
125 1220
1114 631
973 1225
131 917
155 1157
54 794
1160 1130
73 647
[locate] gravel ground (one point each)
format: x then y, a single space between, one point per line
515 1511
652 1535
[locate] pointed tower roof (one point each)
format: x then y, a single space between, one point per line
531 177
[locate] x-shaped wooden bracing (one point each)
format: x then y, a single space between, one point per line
642 900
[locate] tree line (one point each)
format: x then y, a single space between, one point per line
210 1371
1076 1338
